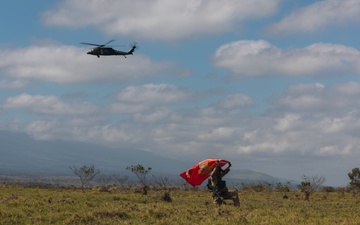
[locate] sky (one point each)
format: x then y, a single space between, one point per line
271 85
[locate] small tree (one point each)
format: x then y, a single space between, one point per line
162 182
281 187
123 181
141 172
104 180
309 185
354 176
85 173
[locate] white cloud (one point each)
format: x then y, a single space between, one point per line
158 19
69 65
301 134
287 122
149 101
318 15
236 100
265 146
12 84
156 116
47 105
335 150
218 134
312 98
158 94
127 108
40 130
247 58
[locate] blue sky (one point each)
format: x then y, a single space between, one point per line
271 85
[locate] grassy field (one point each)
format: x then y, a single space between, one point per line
29 205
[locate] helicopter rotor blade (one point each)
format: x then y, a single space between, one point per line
103 45
85 43
106 43
116 45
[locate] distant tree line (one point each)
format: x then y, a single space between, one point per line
89 175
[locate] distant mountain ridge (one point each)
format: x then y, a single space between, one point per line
22 155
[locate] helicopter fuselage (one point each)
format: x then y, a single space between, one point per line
102 50
105 51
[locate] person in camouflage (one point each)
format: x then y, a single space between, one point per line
218 186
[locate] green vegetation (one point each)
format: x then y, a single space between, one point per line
37 205
86 174
354 177
141 172
309 185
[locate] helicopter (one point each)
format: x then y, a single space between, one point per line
102 50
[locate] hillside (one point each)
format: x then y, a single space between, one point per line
22 155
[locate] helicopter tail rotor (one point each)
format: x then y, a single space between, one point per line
133 46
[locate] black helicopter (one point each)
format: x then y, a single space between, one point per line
102 50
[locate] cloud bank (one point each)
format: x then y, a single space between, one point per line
249 58
317 16
303 112
159 19
70 65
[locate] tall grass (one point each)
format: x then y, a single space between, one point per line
31 205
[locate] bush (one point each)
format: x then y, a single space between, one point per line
328 189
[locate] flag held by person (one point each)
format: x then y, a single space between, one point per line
201 171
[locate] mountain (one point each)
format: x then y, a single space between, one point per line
22 155
250 176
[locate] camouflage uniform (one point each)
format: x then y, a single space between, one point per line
218 186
